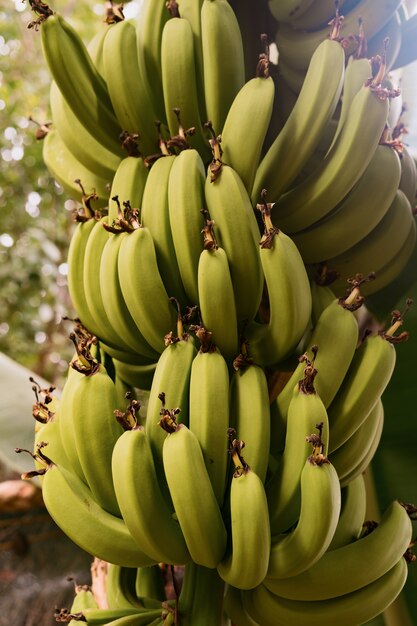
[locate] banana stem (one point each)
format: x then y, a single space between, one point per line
201 599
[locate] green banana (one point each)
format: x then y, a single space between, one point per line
223 59
364 561
321 296
170 388
79 141
120 587
137 376
209 410
149 582
316 16
352 513
185 202
179 82
78 80
297 47
142 504
381 245
236 230
249 413
289 10
307 119
65 422
128 183
306 412
246 565
143 291
120 617
215 294
72 506
357 214
96 431
155 216
64 167
319 193
247 122
115 303
128 92
150 25
408 180
194 500
83 599
286 280
297 551
234 609
353 608
191 11
369 373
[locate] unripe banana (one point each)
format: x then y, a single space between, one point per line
129 93
352 514
234 608
143 507
194 500
364 561
78 80
185 202
128 185
223 60
155 216
247 122
215 295
246 565
286 281
209 410
236 231
306 412
249 413
297 551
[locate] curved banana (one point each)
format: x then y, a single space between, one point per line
286 281
66 169
96 431
142 504
78 80
249 413
65 422
306 413
247 122
194 500
234 608
179 82
357 214
149 582
83 599
72 506
353 608
297 47
246 565
209 416
134 616
308 118
138 376
215 295
155 216
127 86
319 193
381 245
143 291
223 59
321 296
113 294
79 141
128 185
369 373
121 591
408 180
191 11
236 231
352 513
297 551
364 561
288 10
185 202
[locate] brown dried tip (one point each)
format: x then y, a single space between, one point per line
128 419
209 238
168 421
306 384
42 10
129 142
397 320
235 447
353 298
262 68
205 338
114 13
325 275
270 231
173 8
317 457
216 164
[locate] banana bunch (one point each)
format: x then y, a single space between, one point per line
234 213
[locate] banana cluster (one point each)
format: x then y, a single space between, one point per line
230 228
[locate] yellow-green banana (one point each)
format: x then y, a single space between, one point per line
223 60
127 86
364 561
408 180
234 608
298 550
209 410
352 513
289 10
194 500
185 202
142 504
236 230
128 184
303 129
78 80
286 280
